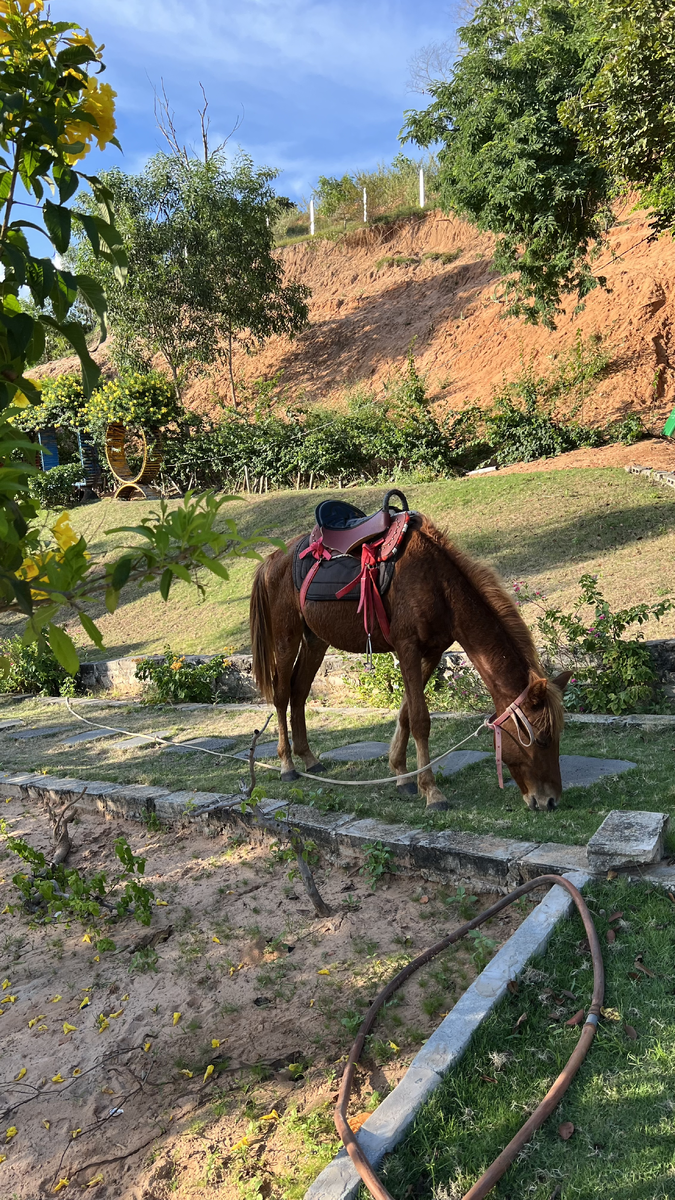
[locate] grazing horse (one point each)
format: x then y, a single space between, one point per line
438 595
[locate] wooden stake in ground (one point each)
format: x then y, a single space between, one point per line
283 828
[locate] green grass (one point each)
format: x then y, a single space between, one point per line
621 1102
477 804
545 527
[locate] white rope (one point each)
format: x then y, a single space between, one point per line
268 767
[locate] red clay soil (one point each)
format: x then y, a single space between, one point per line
363 320
656 453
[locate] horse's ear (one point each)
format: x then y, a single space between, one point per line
561 681
537 692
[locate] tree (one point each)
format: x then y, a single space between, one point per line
624 115
507 162
337 197
52 107
203 276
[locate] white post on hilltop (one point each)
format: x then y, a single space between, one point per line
311 217
421 187
365 206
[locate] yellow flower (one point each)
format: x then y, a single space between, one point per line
65 536
96 1179
147 1046
21 1074
98 99
69 1028
216 939
55 999
215 1042
11 1132
271 1116
5 984
115 1015
58 1078
75 1132
102 1023
209 1071
3 1158
176 1017
46 1124
61 1184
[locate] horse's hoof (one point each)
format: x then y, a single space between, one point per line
409 788
319 768
437 806
289 776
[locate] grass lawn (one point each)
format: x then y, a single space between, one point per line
621 1103
477 804
546 527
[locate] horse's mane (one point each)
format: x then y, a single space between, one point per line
492 591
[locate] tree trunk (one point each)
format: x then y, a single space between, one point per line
233 392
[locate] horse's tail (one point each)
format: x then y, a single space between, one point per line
262 642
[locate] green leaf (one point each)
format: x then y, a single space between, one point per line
216 567
120 573
165 583
64 650
91 630
58 220
111 599
91 372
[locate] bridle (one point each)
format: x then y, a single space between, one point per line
522 726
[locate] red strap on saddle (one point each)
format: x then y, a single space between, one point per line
371 601
319 551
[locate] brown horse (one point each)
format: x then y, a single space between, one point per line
438 595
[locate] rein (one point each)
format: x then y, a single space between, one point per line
522 726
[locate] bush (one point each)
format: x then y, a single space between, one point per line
609 674
628 430
33 669
176 681
460 689
63 405
56 488
136 400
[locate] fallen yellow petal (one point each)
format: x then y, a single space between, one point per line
209 1071
103 1025
232 970
147 1046
323 971
216 940
117 1014
75 1132
55 999
312 1003
161 903
10 999
87 938
97 958
215 1042
11 1132
69 1028
239 1145
271 1116
3 1158
125 997
21 1074
108 1091
95 1180
42 1028
61 1184
85 1002
57 1078
6 909
33 1021
1 1012
176 1017
611 1014
187 1074
5 984
77 1071
46 1124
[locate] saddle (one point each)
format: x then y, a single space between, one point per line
342 530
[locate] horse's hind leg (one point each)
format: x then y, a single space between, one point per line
286 653
312 653
414 718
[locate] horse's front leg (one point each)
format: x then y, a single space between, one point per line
312 653
286 653
399 742
416 671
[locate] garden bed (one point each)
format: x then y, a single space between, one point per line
117 1090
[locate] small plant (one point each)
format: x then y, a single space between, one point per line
444 256
455 688
143 961
32 668
463 903
379 861
56 488
174 680
53 891
482 948
629 430
351 903
610 674
352 1022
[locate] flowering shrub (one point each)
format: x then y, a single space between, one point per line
610 674
33 668
176 681
137 400
63 403
459 689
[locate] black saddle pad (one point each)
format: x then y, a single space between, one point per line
334 574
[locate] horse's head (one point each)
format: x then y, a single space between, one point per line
532 755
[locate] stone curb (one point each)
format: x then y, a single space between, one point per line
443 1050
493 863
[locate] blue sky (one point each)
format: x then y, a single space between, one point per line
320 85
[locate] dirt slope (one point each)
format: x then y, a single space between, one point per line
363 319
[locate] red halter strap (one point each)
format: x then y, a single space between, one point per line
521 723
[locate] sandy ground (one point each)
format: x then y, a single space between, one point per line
268 994
657 453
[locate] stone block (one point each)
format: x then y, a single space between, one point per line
196 744
65 790
134 800
132 742
469 855
457 760
662 875
17 783
89 735
323 828
175 806
553 859
397 838
4 725
627 839
24 735
357 752
264 750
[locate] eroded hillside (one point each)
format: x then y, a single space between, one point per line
363 317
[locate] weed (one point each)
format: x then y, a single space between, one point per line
143 961
379 861
351 903
482 948
432 1002
443 256
352 1022
463 903
152 822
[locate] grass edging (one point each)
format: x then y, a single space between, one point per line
393 1117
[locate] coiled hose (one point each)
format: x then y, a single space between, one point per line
553 1096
